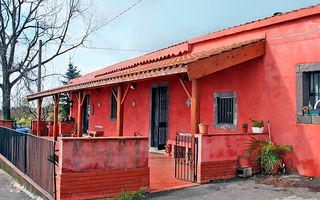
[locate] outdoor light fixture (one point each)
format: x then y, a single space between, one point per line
99 104
133 86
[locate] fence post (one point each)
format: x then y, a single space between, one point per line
54 170
25 153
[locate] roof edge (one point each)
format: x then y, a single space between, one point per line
272 20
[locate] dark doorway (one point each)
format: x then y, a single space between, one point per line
85 114
159 116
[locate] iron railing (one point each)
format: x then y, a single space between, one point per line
33 155
186 157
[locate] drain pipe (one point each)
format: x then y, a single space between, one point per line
269 131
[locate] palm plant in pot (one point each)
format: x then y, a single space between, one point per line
257 126
269 155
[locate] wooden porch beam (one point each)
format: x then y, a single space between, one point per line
114 93
39 116
185 87
195 107
125 93
56 99
119 111
225 60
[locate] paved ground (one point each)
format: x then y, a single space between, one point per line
238 190
9 189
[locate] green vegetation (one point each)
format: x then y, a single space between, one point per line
256 123
269 155
132 196
64 107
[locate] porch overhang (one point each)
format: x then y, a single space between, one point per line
196 65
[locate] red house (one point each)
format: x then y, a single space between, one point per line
266 70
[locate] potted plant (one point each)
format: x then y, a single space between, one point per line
257 126
168 149
269 155
203 128
243 161
245 128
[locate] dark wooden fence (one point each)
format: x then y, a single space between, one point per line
34 156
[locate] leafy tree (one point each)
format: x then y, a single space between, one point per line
61 25
72 73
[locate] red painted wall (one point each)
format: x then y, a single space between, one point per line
266 90
98 154
101 167
220 147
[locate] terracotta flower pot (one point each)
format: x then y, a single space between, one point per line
168 149
275 169
244 130
243 162
203 128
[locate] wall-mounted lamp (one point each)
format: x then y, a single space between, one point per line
188 103
133 86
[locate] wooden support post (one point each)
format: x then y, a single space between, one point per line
195 107
39 116
80 97
119 110
56 99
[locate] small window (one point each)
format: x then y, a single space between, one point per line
314 92
113 109
225 110
307 91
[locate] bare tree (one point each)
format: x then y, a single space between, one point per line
62 25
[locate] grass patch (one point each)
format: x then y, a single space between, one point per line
131 195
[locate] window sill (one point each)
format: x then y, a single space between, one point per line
308 119
225 126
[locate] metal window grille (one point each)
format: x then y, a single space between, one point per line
225 110
314 92
113 110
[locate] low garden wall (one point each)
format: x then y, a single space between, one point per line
218 154
102 166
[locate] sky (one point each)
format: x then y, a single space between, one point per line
156 24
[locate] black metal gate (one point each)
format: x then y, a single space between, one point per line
186 157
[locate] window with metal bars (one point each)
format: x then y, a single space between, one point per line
225 110
113 108
314 89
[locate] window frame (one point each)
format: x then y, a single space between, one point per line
228 126
113 102
303 72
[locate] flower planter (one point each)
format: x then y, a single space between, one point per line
243 162
312 112
257 129
203 128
